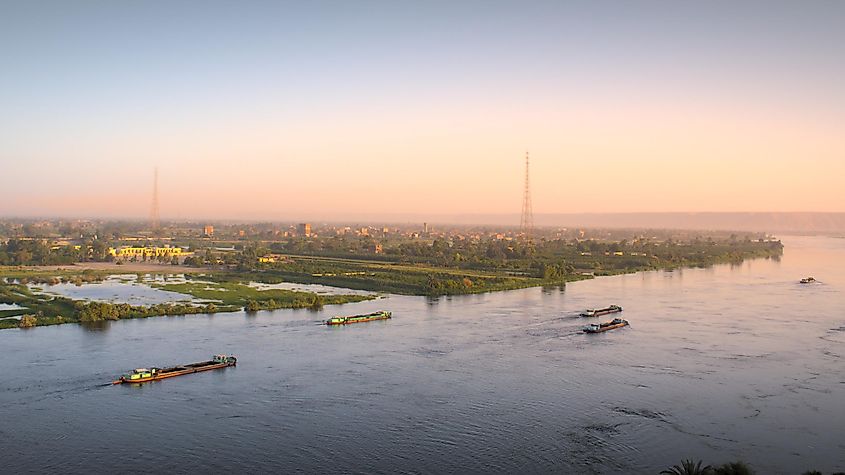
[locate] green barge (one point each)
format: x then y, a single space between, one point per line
380 315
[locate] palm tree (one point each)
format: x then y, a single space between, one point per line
733 468
688 467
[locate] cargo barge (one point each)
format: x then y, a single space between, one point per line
144 375
597 312
380 315
603 327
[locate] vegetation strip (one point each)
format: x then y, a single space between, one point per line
431 267
42 309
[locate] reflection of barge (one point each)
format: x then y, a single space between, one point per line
380 315
143 375
603 327
597 312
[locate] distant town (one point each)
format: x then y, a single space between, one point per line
221 264
60 242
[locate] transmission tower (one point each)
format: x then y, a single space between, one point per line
154 221
526 224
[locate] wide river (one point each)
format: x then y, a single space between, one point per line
720 364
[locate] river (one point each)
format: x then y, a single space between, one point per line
725 363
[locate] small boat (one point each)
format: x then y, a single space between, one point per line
380 315
597 312
807 280
144 375
603 327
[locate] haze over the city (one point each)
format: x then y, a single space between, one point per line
289 110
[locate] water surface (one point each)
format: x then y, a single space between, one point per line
725 363
122 288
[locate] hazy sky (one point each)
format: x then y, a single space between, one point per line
296 109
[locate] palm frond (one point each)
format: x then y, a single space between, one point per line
687 467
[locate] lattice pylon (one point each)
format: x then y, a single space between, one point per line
526 223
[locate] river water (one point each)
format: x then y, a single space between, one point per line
720 364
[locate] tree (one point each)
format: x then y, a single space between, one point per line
23 257
28 321
733 468
317 302
688 467
433 284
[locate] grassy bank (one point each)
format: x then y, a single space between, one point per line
239 294
41 310
406 279
427 277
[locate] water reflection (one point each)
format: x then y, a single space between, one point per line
550 289
98 326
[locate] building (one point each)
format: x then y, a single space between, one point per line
208 230
271 258
304 229
152 252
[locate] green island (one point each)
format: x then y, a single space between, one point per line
224 274
40 309
438 267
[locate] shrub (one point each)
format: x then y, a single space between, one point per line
28 321
733 468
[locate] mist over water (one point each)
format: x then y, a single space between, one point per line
724 363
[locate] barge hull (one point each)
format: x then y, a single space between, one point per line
381 315
177 371
359 320
607 328
601 311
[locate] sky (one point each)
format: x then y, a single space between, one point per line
291 110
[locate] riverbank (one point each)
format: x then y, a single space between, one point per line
30 307
228 288
547 265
